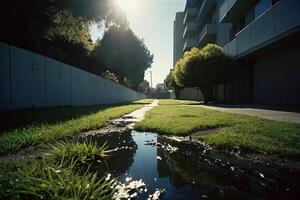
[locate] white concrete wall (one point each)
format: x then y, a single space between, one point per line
31 80
58 81
28 78
190 94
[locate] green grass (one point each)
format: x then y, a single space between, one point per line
82 152
34 134
60 174
234 131
144 101
177 102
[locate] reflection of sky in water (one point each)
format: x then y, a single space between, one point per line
158 174
145 165
192 173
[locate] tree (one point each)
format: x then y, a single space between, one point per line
31 29
110 76
171 83
144 88
125 54
58 28
204 68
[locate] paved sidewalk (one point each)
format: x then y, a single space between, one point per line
280 114
138 115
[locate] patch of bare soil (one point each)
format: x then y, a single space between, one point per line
196 135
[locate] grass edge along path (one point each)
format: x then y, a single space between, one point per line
229 131
177 102
16 139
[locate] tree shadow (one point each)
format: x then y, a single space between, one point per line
32 116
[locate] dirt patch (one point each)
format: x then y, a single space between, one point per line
188 116
196 135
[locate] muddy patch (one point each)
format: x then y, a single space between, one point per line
198 134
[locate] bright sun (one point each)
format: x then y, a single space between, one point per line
126 5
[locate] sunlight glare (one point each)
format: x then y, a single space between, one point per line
126 5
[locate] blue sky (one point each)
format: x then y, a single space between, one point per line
153 20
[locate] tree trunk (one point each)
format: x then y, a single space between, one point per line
207 94
177 91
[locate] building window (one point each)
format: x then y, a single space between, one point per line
262 6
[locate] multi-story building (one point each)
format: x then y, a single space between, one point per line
263 36
177 37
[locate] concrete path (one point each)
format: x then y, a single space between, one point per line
138 115
252 110
125 123
128 121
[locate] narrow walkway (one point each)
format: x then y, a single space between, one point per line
125 123
138 115
271 114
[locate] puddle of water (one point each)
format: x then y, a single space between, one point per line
190 171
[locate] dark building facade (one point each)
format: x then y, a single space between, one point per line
263 36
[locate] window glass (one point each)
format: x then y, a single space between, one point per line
261 6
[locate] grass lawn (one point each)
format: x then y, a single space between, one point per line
56 123
234 131
144 101
177 102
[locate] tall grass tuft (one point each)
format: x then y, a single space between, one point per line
82 152
59 175
54 181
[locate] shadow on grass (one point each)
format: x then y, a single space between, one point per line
32 116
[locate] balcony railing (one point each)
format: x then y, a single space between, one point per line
225 8
189 12
230 48
189 43
190 26
204 9
279 21
208 29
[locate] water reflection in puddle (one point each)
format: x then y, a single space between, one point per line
189 171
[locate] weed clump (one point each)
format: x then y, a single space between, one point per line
57 175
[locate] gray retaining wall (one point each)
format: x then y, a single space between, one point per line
28 79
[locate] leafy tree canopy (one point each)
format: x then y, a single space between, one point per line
60 29
123 52
170 80
204 68
28 23
144 88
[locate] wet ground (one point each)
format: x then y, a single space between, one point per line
186 170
